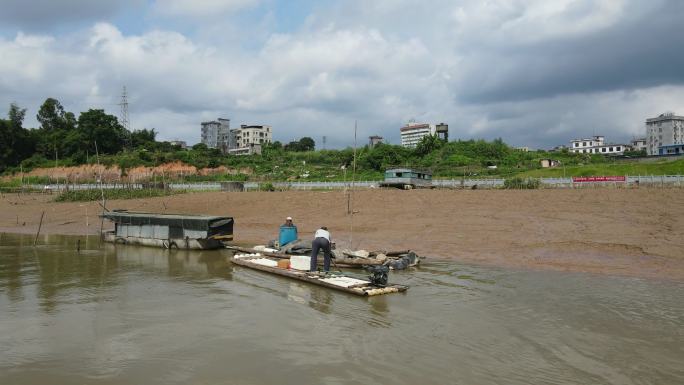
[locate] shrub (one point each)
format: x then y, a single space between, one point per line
522 183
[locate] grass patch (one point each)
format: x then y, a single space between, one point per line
605 169
522 183
96 195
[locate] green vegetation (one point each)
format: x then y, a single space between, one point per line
522 183
65 140
616 168
266 187
109 194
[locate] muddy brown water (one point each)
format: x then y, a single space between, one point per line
133 315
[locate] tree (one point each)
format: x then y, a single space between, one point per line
16 115
143 138
383 155
428 144
96 126
55 125
303 144
307 144
292 146
15 144
52 116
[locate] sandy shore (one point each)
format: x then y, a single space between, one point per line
621 232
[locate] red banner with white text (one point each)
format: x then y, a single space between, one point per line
598 179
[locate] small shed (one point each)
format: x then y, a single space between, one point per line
407 178
549 163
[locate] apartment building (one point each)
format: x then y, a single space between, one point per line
664 134
215 133
412 133
248 135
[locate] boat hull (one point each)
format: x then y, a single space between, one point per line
184 244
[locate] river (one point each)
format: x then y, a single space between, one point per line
133 315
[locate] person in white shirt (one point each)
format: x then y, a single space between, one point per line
321 242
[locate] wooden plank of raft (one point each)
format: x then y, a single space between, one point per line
300 276
365 290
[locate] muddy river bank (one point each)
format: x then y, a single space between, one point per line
626 232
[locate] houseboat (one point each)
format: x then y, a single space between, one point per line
407 178
168 230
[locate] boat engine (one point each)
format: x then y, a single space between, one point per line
378 275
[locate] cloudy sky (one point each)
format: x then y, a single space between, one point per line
534 72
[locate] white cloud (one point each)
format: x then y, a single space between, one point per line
533 72
527 21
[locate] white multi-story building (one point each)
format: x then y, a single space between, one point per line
248 139
665 134
413 133
596 145
216 133
238 141
248 135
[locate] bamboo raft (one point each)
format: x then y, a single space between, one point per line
335 281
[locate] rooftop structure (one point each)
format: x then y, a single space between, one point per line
374 140
442 131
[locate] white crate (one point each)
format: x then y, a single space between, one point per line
300 262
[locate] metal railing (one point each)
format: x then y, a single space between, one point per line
630 180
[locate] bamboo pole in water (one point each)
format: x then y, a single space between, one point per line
40 225
351 195
104 203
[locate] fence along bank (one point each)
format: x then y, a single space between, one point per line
169 230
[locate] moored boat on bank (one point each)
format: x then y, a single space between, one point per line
169 230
